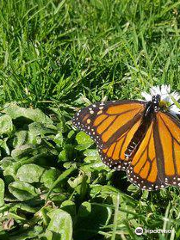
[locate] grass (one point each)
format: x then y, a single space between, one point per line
59 56
54 51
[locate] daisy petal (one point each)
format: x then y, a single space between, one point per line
174 110
146 96
175 95
155 90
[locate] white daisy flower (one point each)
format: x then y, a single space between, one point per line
168 98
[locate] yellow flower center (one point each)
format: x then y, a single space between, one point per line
164 105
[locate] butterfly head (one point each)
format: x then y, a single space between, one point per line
156 100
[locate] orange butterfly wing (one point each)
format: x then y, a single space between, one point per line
142 170
112 126
156 164
168 147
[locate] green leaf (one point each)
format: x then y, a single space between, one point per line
74 182
83 146
30 233
61 178
133 188
83 140
66 153
37 128
91 153
22 191
49 177
92 159
30 173
20 138
70 134
12 166
63 156
61 223
85 209
36 115
5 162
4 146
91 218
23 207
22 150
50 236
80 185
70 207
99 166
6 125
91 156
104 191
58 139
2 186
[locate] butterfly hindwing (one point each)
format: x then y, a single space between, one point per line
143 169
111 125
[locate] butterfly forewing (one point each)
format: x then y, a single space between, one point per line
112 126
167 143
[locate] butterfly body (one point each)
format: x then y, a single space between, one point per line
138 137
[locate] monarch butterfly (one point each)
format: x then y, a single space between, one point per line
139 137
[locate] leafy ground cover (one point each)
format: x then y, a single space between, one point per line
58 56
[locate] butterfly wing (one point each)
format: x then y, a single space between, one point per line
111 125
143 169
168 148
156 164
